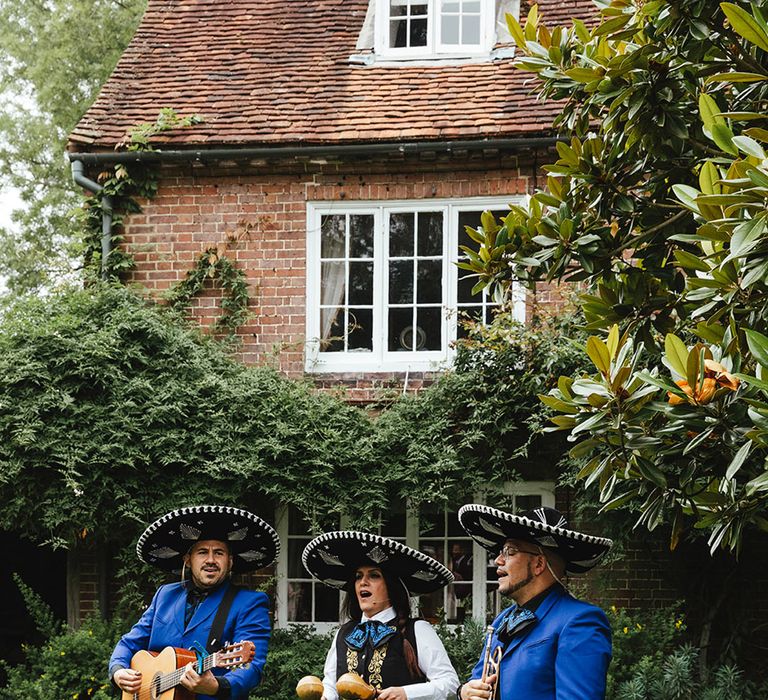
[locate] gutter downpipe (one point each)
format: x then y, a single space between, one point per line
106 211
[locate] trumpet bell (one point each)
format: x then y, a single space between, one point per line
351 686
309 688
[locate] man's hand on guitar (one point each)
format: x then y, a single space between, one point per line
205 684
127 680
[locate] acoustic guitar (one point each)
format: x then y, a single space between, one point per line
161 671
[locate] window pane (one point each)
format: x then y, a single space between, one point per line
332 283
431 521
460 559
524 503
430 233
430 281
360 283
326 603
297 523
332 322
299 602
402 335
361 235
449 29
332 236
360 329
472 6
431 606
429 325
398 33
464 292
470 30
295 567
418 33
401 235
451 6
401 282
434 549
458 603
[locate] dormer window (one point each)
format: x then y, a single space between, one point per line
434 28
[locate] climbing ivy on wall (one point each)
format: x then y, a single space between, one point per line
125 185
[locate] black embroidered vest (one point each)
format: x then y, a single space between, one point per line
384 667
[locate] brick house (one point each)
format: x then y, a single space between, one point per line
343 147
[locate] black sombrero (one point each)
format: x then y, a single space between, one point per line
253 543
545 527
333 557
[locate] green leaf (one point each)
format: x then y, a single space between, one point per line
582 75
599 354
745 25
690 261
738 460
758 346
723 137
759 483
735 77
687 195
709 111
557 404
613 340
708 178
676 354
749 146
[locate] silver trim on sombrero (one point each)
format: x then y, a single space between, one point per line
379 542
219 510
535 524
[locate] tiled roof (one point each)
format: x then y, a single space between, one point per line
276 72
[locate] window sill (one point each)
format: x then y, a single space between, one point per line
395 61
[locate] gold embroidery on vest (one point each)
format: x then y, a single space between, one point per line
351 660
374 668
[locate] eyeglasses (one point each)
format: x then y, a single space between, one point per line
508 551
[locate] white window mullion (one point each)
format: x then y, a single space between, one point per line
381 264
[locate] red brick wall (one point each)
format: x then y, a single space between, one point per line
256 215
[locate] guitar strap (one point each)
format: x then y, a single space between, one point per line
215 642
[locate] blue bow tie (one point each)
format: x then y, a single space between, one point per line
372 631
515 622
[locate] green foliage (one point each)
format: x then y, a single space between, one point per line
294 652
473 428
113 411
213 265
69 664
463 644
658 204
675 678
641 637
54 56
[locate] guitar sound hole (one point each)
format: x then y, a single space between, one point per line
155 687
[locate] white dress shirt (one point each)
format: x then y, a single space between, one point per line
433 662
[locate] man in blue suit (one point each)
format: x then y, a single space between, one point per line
211 542
548 645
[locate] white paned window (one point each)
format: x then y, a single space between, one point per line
430 529
383 290
433 28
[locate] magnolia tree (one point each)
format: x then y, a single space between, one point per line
657 206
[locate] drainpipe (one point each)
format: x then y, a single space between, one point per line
106 212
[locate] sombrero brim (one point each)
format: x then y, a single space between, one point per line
254 544
491 528
333 558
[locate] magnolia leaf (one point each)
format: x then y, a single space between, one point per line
749 146
599 354
738 460
759 483
709 111
723 137
758 346
690 261
613 340
687 195
745 25
735 77
583 75
516 31
708 178
557 404
676 353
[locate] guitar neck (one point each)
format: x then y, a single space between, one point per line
166 681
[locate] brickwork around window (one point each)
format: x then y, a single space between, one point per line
258 216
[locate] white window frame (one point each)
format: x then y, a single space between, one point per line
380 359
434 47
545 489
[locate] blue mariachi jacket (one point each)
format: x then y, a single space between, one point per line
162 625
564 656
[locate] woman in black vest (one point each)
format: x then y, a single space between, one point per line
401 657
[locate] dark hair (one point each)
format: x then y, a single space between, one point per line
398 598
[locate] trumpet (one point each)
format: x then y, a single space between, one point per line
491 661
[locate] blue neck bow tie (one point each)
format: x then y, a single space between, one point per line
371 632
515 623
